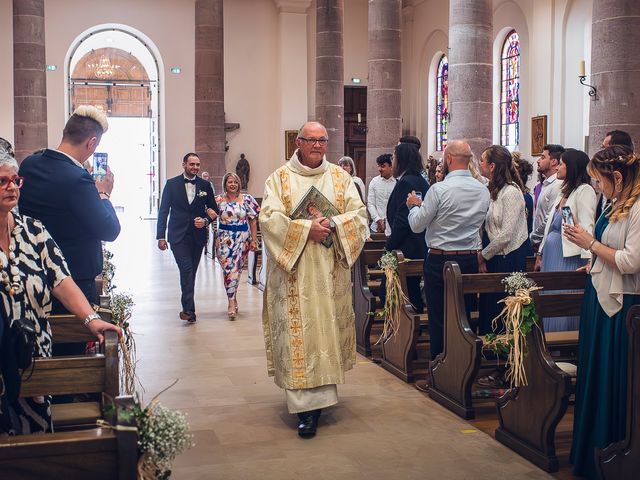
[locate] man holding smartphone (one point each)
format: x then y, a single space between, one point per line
73 207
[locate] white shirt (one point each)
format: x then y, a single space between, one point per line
548 192
380 189
190 188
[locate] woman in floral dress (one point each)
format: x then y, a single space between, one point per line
237 229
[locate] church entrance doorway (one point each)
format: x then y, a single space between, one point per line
114 71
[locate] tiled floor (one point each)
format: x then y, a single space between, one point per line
381 429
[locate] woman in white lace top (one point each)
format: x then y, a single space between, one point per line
505 241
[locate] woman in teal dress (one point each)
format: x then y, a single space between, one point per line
613 286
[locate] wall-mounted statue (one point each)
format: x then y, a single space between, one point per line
243 170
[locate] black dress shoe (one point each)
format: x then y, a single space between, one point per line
308 423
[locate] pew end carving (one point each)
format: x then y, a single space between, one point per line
399 351
529 415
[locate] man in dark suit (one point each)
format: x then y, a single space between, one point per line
407 167
73 207
189 203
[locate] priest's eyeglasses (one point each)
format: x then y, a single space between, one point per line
313 141
5 181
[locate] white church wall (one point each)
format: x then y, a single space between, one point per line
575 100
252 87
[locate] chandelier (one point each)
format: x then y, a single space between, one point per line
104 68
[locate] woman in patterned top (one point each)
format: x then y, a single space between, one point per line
237 230
32 269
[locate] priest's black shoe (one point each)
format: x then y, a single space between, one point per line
308 423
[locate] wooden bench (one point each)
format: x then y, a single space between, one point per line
365 301
96 453
454 371
75 374
621 460
399 352
529 415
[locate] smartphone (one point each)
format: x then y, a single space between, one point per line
567 216
100 163
419 195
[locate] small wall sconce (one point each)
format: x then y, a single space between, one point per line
593 91
176 70
51 68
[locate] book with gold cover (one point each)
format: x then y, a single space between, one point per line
314 205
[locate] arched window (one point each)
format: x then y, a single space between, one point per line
442 103
510 91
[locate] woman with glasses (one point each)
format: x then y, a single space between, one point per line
32 271
237 234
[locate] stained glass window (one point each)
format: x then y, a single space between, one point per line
442 103
510 91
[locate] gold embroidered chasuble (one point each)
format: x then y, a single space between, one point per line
307 316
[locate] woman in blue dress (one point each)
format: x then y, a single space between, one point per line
613 286
237 227
556 253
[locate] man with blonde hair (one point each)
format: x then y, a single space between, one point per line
73 207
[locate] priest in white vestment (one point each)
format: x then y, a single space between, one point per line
308 319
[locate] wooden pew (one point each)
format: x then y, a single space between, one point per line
621 460
96 453
399 351
529 414
454 371
72 375
365 302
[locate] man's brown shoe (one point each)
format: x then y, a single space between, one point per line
423 385
185 316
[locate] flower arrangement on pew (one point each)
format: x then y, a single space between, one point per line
163 434
520 318
395 297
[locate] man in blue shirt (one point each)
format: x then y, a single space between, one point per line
452 213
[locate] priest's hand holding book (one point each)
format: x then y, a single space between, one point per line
320 229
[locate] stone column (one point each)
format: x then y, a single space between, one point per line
330 74
29 79
209 89
615 70
471 73
384 91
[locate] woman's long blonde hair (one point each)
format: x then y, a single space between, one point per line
618 158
